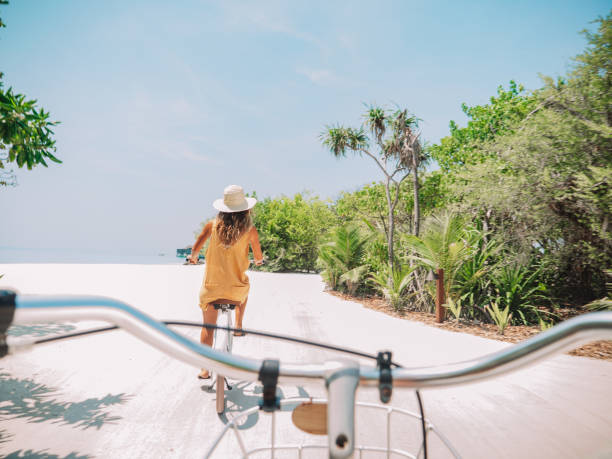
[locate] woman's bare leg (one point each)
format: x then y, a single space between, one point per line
240 313
210 317
206 336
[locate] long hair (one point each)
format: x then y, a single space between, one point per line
232 225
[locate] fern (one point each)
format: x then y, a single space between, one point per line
501 317
454 307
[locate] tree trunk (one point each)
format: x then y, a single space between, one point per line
390 207
417 206
485 225
415 159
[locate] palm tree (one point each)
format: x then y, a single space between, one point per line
442 245
393 136
405 144
342 257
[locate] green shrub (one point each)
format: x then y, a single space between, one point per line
602 304
291 230
473 281
519 289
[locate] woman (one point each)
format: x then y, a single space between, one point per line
227 259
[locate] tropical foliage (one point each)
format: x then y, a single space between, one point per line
291 230
518 288
26 135
605 303
443 245
342 256
518 214
395 147
393 291
501 317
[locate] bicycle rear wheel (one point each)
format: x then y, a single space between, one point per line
220 400
223 342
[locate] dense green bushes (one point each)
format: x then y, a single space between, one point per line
291 230
519 214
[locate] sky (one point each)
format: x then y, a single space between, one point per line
162 104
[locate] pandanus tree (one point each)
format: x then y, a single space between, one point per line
394 146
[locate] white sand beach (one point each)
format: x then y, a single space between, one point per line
113 396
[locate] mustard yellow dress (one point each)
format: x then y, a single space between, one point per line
225 271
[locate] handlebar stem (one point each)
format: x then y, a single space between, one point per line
341 380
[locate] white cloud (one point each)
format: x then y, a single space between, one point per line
270 17
348 42
322 77
181 108
317 76
193 156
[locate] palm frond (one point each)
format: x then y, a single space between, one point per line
342 255
376 121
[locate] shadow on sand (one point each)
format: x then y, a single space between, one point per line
245 395
25 398
43 454
5 437
39 330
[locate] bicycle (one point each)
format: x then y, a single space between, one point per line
222 340
341 377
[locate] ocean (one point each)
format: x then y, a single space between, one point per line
84 256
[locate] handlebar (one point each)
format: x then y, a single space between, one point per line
35 308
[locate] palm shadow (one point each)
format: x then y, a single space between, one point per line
27 399
243 396
43 454
5 436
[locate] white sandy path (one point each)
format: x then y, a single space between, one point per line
559 409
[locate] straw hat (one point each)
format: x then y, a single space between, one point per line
234 200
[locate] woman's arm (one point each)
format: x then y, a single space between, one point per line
254 240
195 250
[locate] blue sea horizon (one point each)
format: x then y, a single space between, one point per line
9 255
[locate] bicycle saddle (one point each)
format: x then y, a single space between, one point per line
223 303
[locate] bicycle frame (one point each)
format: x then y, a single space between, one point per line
223 336
340 377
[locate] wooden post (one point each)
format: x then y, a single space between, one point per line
440 296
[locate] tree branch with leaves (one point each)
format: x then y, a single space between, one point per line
394 146
26 137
